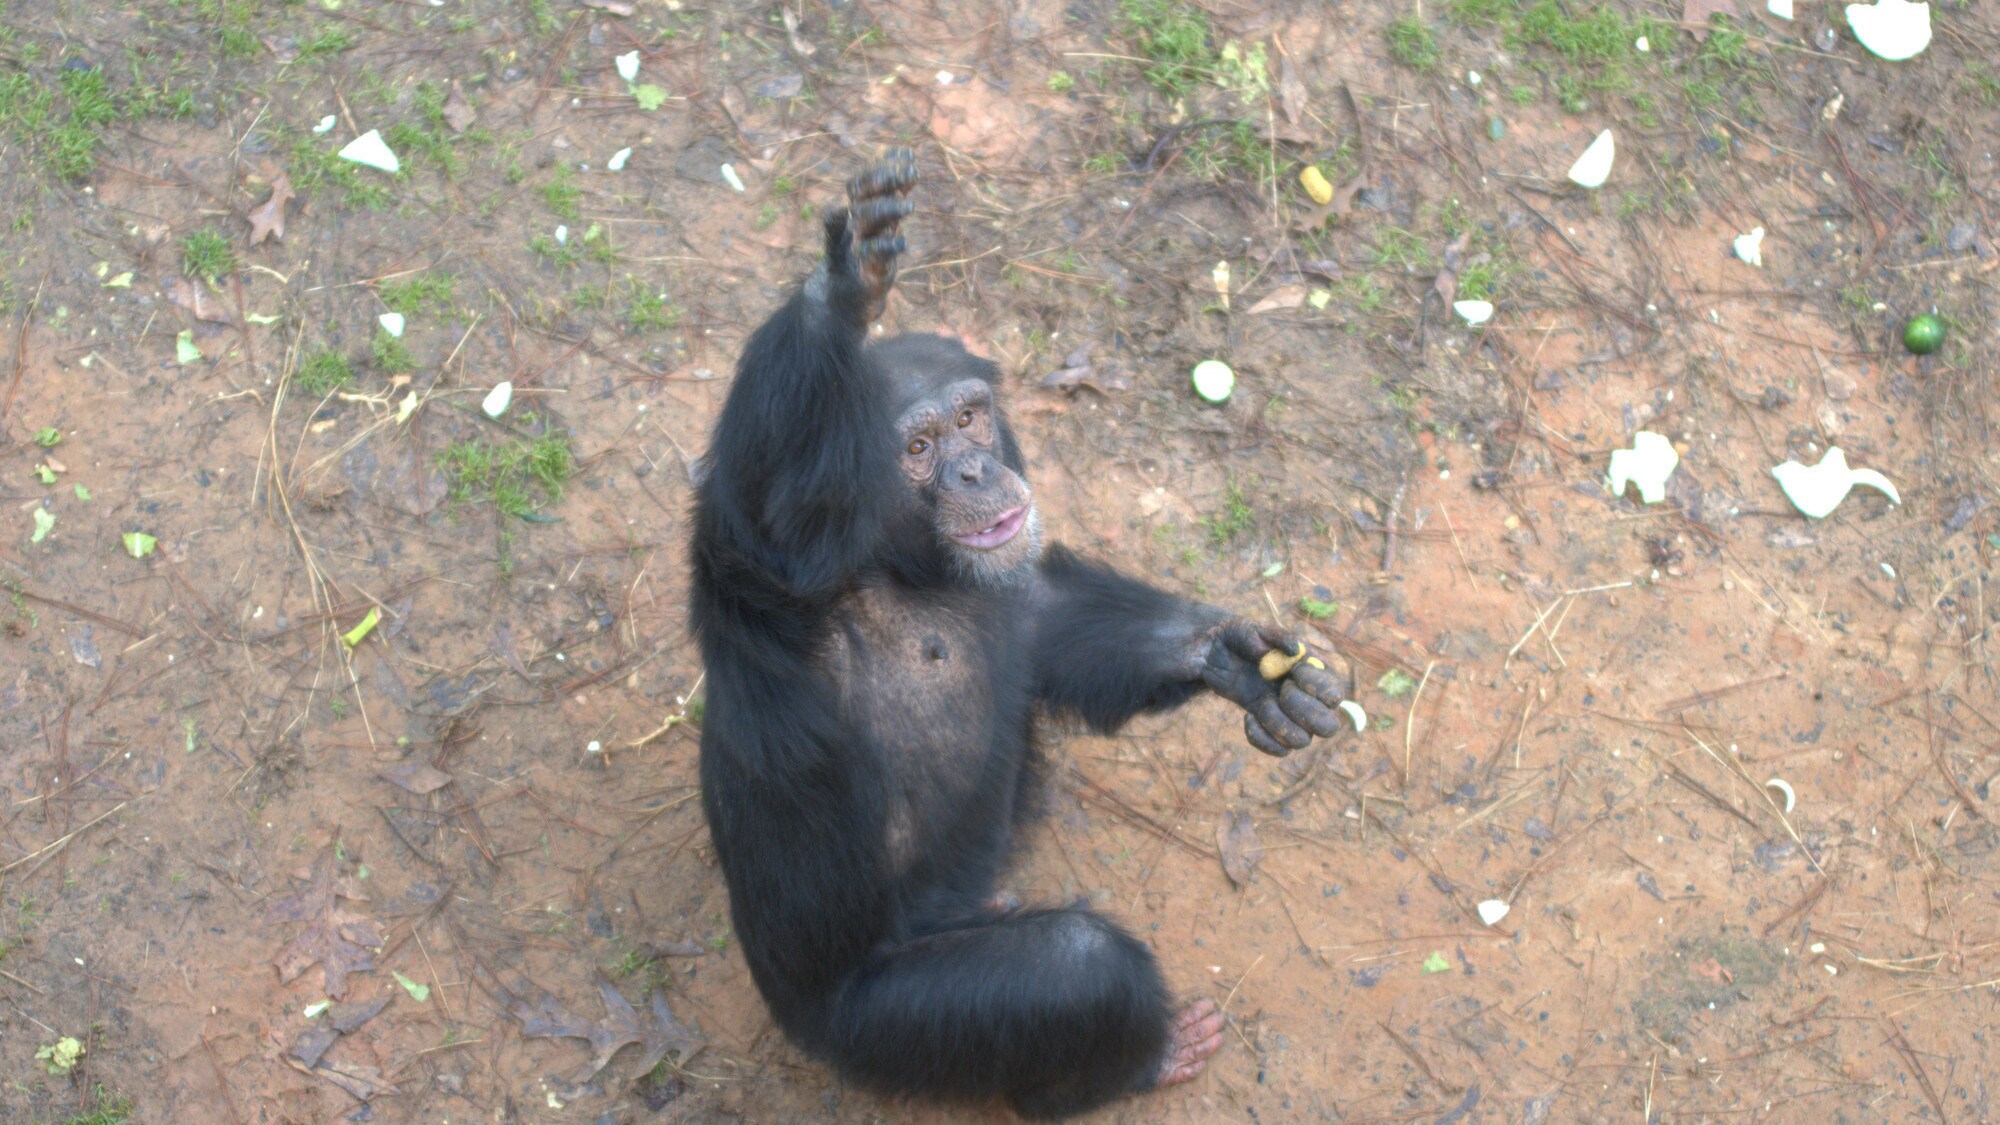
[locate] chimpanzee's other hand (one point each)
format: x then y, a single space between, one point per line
1280 715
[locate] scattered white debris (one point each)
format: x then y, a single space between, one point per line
1355 714
1220 277
1784 789
735 181
1492 910
1832 108
1214 381
1594 166
369 148
618 159
326 124
1892 29
562 234
1887 569
1816 947
1472 78
1642 45
1648 464
392 323
1750 247
1779 8
406 408
1474 313
1818 489
628 66
594 747
944 77
497 399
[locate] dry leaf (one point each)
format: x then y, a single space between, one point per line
1236 836
548 1019
338 941
364 1082
313 1043
1291 91
416 777
458 113
1103 380
1283 297
799 44
194 297
1695 13
615 7
267 219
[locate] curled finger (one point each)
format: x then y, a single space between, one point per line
1307 712
1261 740
1313 678
1277 724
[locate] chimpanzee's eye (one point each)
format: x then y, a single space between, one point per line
919 447
964 418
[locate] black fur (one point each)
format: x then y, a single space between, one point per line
878 952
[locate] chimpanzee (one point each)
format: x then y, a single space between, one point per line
881 625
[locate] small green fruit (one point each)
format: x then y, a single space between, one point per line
1925 334
1213 380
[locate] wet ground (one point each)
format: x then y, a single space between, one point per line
474 829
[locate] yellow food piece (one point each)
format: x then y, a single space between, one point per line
1316 185
1277 665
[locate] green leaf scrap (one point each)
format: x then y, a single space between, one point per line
1436 963
360 632
418 992
45 521
138 544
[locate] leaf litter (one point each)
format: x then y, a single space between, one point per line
336 939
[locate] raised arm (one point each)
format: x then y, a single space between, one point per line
805 436
1108 648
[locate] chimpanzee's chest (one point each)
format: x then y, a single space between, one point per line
938 688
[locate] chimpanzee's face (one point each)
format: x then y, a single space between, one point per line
961 463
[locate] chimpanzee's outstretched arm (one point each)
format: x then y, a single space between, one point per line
1108 648
803 450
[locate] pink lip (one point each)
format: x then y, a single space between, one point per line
999 534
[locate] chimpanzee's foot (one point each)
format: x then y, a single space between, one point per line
1196 1034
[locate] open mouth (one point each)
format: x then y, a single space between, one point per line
999 534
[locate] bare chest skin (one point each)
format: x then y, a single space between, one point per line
917 680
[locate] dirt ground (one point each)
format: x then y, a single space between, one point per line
474 829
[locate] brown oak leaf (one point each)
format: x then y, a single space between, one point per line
267 219
621 1026
337 940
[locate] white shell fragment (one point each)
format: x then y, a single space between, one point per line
1474 313
392 323
407 407
1642 45
628 66
1780 8
1213 380
1492 910
497 399
1750 247
1892 29
1648 464
1784 789
618 159
326 124
735 181
1355 714
1818 489
369 148
1594 166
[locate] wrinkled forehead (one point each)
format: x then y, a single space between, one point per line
930 407
927 367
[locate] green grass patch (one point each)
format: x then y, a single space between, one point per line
208 254
415 294
1233 520
105 1109
516 477
563 196
651 312
323 373
313 168
1174 38
1411 43
391 355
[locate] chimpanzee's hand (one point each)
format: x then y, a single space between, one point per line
862 240
1282 713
